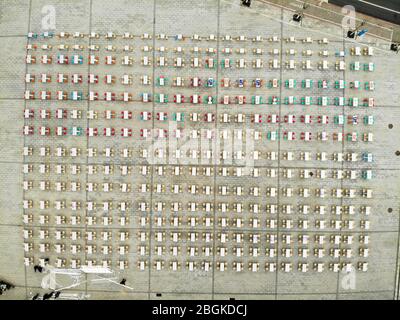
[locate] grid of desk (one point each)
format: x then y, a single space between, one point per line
197 152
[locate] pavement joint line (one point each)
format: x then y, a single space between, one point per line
397 269
13 36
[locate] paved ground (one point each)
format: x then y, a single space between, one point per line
220 18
